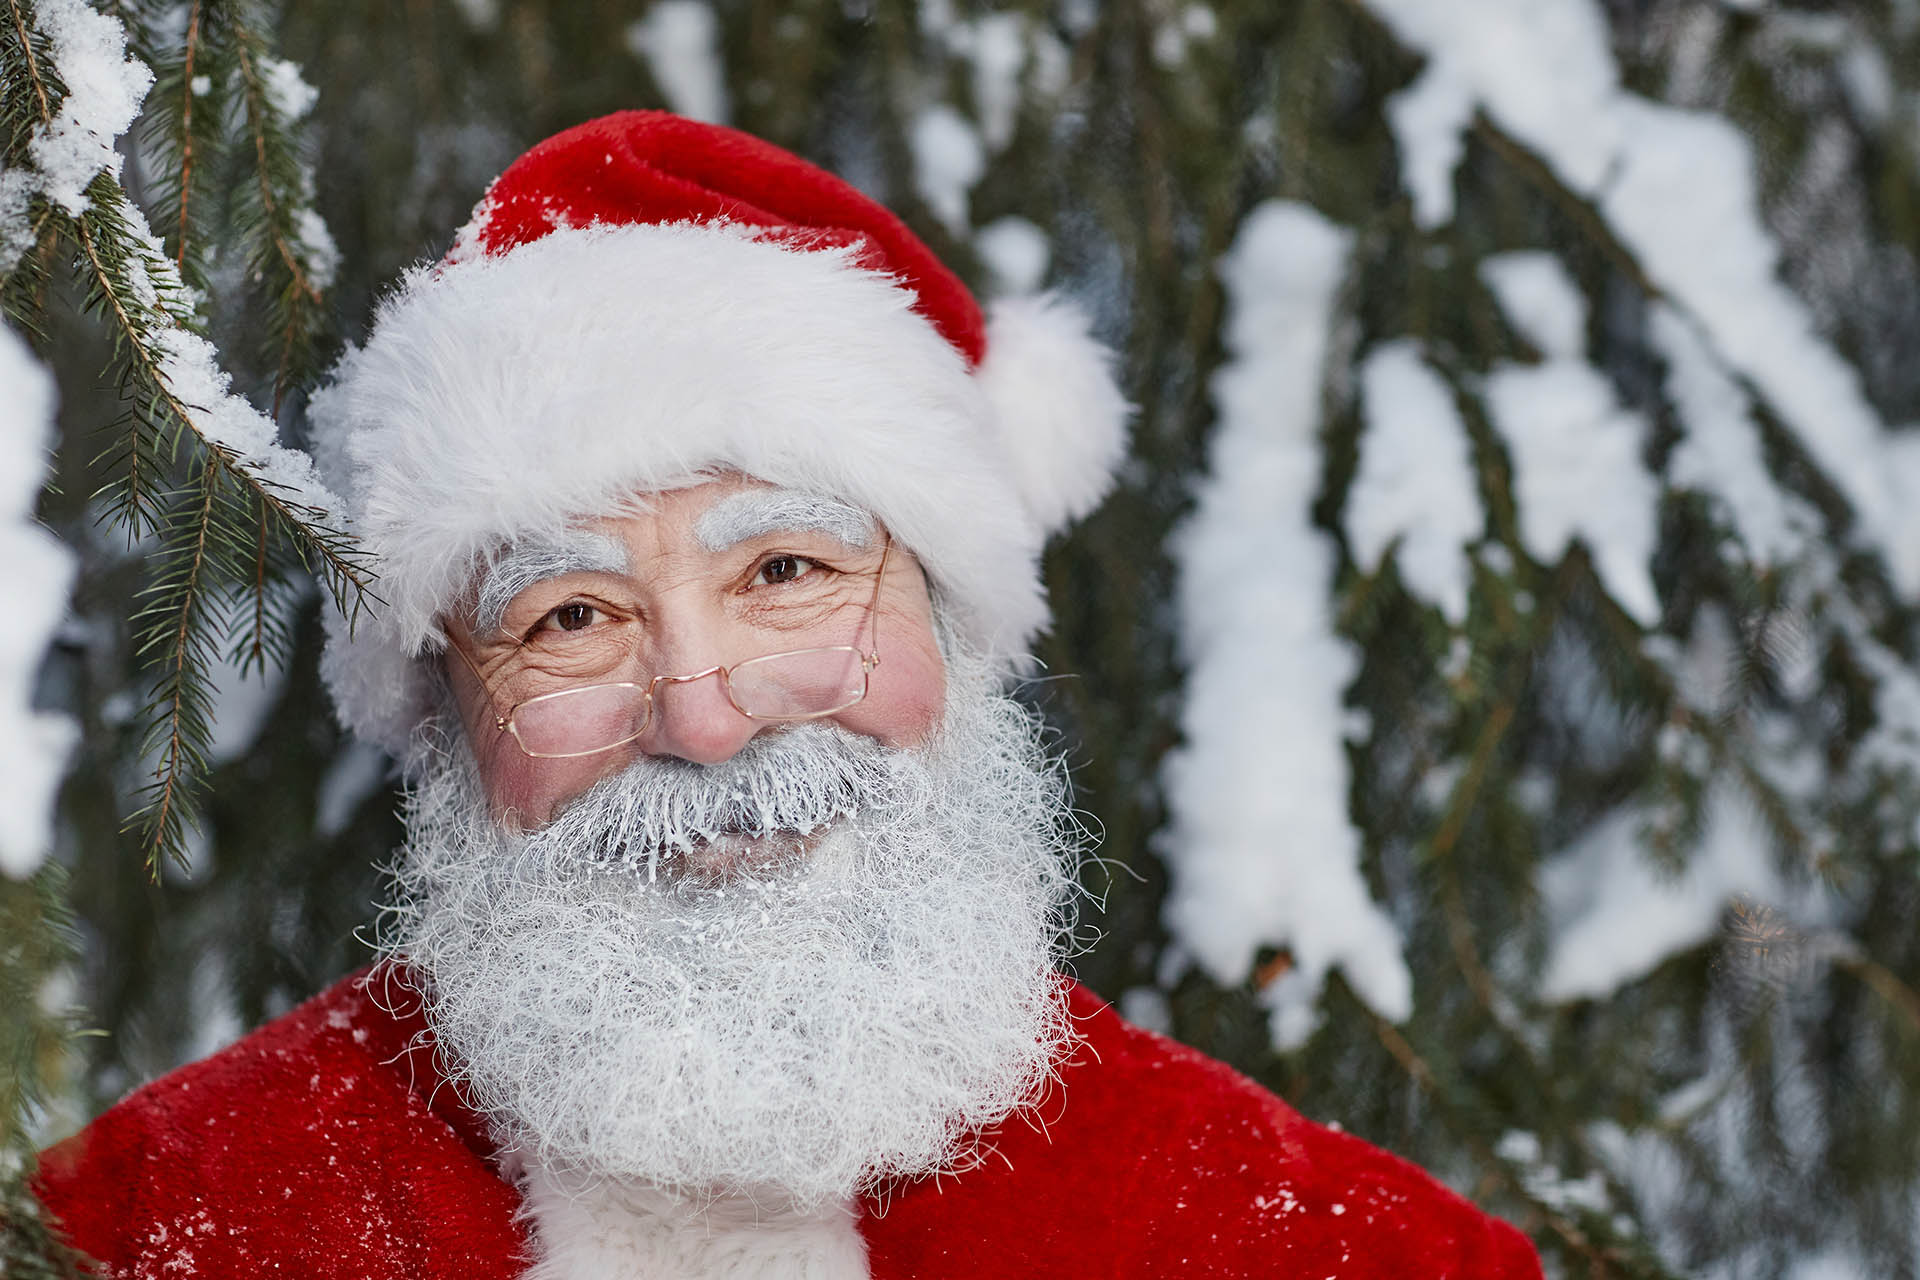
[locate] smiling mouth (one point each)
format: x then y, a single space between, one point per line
726 853
732 854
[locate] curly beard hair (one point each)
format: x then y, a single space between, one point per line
811 969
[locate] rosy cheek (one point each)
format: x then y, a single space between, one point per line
905 696
511 780
534 790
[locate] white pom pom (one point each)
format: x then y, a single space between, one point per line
1059 414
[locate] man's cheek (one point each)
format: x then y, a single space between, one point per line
905 697
525 792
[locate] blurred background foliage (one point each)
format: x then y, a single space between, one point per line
1747 1107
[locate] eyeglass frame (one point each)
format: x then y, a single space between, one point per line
868 662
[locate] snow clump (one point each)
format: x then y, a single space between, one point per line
104 90
1678 188
1577 469
948 158
1259 843
1016 253
37 578
679 40
1416 480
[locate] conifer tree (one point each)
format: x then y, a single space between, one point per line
226 522
1493 677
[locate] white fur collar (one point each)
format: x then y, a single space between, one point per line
623 1231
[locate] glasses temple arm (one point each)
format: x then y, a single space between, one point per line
486 690
872 658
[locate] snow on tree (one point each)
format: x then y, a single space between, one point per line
35 978
1495 668
1415 494
33 743
1673 592
1259 844
230 516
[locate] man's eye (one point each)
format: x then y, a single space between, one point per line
778 569
571 616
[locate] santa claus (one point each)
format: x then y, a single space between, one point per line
724 942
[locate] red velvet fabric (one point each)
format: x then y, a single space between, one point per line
325 1145
656 167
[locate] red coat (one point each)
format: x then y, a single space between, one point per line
323 1146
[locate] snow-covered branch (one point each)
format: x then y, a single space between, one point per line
1260 846
72 89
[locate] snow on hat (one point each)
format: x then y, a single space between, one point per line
643 300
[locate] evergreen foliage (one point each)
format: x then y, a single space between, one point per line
35 920
1744 1104
178 469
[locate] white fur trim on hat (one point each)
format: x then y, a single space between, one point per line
1059 415
513 395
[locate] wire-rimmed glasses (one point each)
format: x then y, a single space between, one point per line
792 685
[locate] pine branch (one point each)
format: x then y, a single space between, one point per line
121 265
256 651
245 497
259 117
25 46
1453 902
341 565
170 634
23 293
1525 641
38 928
286 222
1883 982
186 134
183 130
1603 1259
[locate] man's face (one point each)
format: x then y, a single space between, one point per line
711 576
647 984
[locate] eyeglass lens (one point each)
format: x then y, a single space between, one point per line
782 686
809 682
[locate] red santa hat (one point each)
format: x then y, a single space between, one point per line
644 300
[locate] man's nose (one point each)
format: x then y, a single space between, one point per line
694 720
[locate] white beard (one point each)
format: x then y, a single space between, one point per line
795 1027
620 1231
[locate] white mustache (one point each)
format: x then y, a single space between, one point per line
795 782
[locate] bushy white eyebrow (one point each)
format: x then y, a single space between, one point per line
536 560
753 512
